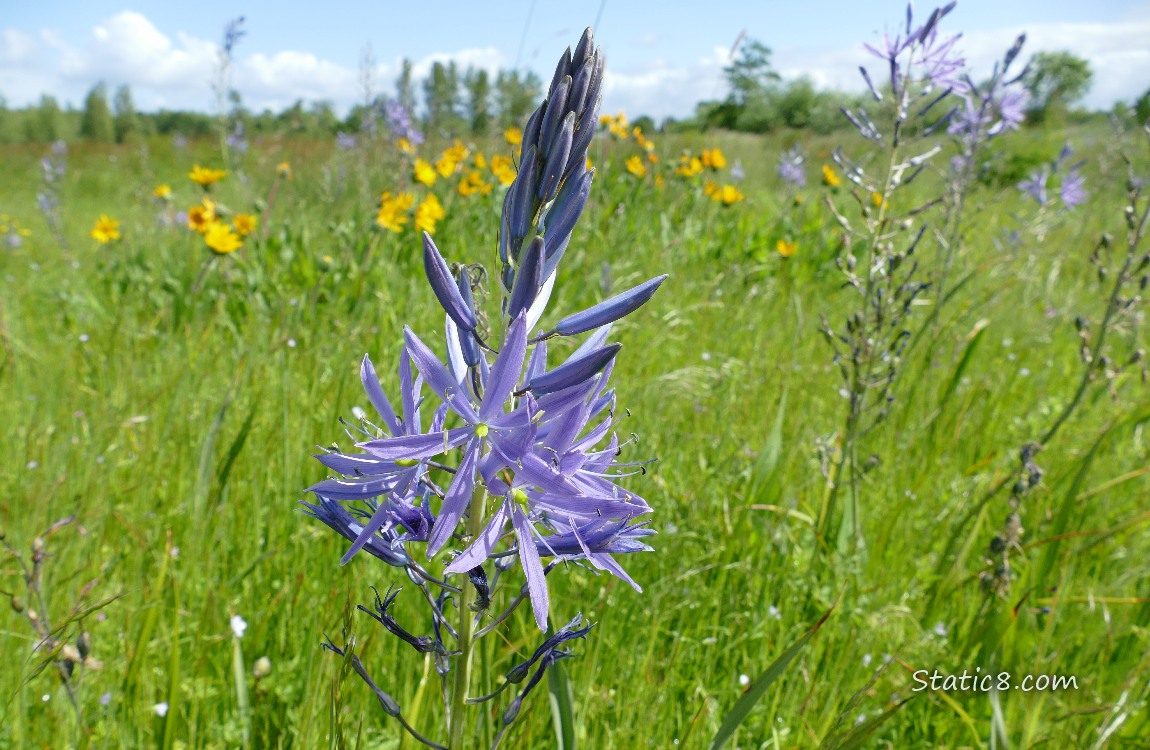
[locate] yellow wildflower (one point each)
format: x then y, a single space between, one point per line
878 201
644 143
245 224
457 152
727 195
513 135
424 172
480 162
222 240
474 183
636 167
106 230
652 157
786 248
618 126
713 158
830 176
710 187
202 216
204 176
163 192
393 211
503 169
283 169
405 146
446 166
658 180
689 166
429 212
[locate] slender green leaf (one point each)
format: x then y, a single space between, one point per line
562 707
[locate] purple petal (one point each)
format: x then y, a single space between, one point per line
353 489
438 378
532 567
415 447
356 464
481 548
376 395
442 283
573 372
377 521
608 311
537 365
409 392
534 471
456 499
528 278
506 369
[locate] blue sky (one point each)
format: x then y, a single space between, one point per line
662 57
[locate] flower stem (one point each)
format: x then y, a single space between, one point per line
465 641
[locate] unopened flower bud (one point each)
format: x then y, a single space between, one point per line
262 668
38 545
17 604
84 644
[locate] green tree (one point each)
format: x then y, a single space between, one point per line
515 96
478 87
47 123
441 94
405 87
1055 80
323 118
750 75
127 123
96 122
1142 108
6 133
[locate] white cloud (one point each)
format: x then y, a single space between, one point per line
1117 52
661 90
16 47
278 80
178 72
176 69
486 58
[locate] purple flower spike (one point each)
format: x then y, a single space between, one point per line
442 283
608 311
574 371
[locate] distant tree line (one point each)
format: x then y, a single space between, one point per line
759 101
454 101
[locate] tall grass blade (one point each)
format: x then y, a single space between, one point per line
743 706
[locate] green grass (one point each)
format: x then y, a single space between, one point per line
186 419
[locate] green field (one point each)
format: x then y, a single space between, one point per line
169 400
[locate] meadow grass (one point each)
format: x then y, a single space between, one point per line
174 416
